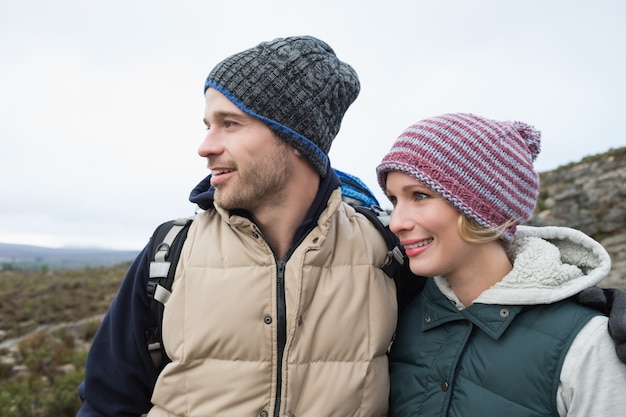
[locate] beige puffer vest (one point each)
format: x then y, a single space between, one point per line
220 327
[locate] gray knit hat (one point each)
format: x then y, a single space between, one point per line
297 86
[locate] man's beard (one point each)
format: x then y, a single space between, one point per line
259 185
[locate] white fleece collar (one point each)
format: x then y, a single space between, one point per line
549 264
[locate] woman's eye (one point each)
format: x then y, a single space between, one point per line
420 196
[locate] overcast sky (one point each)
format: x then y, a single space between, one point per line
101 102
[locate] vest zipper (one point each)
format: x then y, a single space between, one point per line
281 329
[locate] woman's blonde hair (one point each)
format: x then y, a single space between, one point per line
470 231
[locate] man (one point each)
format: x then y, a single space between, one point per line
279 306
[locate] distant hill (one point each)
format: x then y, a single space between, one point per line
590 195
26 257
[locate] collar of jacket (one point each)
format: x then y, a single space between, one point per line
202 195
435 309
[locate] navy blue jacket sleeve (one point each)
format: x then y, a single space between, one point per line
119 373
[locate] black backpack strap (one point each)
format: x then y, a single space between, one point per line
396 265
395 259
165 248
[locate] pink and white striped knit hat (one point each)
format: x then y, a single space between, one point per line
482 167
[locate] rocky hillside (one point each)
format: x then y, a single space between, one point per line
590 195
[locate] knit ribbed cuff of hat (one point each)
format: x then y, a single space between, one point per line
312 152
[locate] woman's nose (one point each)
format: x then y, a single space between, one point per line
399 220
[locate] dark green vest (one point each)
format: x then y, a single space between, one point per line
486 360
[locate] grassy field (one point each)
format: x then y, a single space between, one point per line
42 360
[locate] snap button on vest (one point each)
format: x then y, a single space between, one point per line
504 312
427 319
267 320
263 414
444 386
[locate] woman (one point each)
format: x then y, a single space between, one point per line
494 333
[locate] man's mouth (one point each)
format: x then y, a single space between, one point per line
215 172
